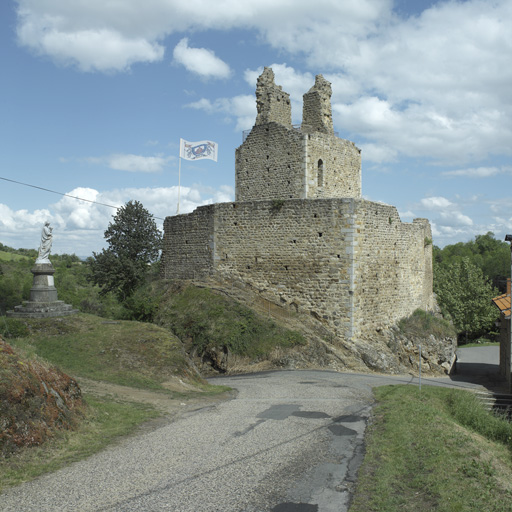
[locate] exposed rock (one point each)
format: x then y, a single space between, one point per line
391 351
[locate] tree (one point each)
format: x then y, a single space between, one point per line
490 255
134 242
464 295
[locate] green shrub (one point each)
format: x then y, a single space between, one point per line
422 323
209 320
13 328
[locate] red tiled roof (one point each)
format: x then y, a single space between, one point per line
503 304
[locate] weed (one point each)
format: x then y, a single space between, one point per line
422 323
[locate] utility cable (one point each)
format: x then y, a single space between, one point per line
65 195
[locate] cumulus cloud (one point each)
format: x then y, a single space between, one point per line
201 61
242 108
434 85
94 49
455 218
378 153
79 225
448 219
132 163
435 203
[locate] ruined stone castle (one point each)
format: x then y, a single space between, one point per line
299 232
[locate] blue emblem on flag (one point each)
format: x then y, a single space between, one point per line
199 150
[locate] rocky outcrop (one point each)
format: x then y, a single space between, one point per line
385 351
392 351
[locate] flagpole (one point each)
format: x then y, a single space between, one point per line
179 186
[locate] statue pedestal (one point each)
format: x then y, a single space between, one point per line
43 287
43 297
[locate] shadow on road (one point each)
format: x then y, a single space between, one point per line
479 365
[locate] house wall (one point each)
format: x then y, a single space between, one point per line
505 349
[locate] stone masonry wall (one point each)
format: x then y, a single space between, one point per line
270 164
393 273
188 245
317 111
293 253
349 263
334 167
273 104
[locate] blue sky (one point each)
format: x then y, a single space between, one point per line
96 95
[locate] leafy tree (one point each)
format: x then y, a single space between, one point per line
134 242
490 255
464 295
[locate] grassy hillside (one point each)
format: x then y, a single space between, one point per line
38 433
45 423
122 352
215 327
11 256
434 450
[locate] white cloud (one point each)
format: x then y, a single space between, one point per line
479 172
407 215
378 154
455 218
200 61
436 85
435 203
91 50
133 163
242 107
79 225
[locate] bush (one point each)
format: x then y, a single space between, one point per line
13 328
208 320
424 323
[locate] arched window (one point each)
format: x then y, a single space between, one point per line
320 173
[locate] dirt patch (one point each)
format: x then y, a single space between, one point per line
169 406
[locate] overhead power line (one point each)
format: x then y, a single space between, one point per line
65 195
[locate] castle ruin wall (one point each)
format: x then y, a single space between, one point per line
188 245
350 263
393 269
285 163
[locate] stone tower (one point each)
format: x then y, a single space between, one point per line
299 233
316 112
272 102
280 161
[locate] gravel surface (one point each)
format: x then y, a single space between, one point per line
289 441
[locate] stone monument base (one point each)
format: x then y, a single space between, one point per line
31 309
43 301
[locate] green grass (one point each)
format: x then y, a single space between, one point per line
104 422
208 320
11 256
122 352
434 450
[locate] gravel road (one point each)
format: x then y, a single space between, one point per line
289 441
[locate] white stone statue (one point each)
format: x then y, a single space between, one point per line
46 244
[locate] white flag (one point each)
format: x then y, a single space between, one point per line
198 150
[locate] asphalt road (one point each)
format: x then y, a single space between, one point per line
289 441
